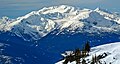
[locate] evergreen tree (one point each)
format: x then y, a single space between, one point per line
77 53
87 47
66 60
77 61
83 54
84 61
71 58
93 60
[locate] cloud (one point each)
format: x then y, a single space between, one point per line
77 1
46 2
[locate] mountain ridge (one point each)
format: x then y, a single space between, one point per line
38 24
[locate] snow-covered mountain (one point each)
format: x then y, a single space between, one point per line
111 50
63 18
52 27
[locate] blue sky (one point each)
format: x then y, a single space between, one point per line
16 8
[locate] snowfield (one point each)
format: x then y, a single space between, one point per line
112 50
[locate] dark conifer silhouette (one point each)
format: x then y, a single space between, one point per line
78 55
84 61
93 60
87 46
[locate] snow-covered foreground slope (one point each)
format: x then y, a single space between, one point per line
112 50
38 24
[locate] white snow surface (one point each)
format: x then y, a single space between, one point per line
38 24
112 50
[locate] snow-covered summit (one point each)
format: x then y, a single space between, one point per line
39 23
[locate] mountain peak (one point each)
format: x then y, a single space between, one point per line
38 24
98 8
64 6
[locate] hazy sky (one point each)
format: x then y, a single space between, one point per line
16 8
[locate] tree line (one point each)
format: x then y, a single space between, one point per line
79 56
